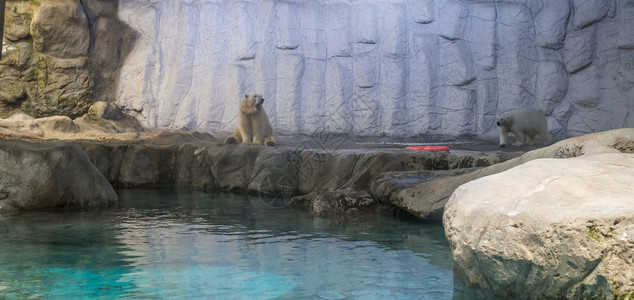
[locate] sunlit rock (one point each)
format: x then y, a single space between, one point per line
58 56
17 20
550 228
60 29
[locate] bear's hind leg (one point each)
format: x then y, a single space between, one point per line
531 139
519 137
546 136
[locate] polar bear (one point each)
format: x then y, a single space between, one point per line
253 123
526 122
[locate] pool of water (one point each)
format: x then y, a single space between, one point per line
164 244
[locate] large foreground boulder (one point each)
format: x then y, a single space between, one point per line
47 175
550 228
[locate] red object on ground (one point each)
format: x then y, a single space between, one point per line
429 148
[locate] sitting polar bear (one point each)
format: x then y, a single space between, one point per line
253 123
526 122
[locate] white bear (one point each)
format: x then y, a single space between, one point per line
253 123
526 122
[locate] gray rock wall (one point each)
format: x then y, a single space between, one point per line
369 68
40 175
398 68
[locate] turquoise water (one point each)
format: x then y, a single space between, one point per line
163 244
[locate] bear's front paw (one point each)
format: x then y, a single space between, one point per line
231 140
518 144
502 145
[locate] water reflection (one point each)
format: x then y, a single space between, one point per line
59 254
169 244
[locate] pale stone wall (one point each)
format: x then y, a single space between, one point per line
398 67
368 68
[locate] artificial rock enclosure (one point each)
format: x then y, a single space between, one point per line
367 68
93 73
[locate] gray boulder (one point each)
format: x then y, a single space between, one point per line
421 193
49 175
107 117
550 228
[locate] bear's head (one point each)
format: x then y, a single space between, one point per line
506 121
251 103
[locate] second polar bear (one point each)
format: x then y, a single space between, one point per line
526 122
253 123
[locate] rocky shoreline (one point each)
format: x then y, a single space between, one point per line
196 160
554 222
301 169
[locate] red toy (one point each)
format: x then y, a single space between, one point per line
429 148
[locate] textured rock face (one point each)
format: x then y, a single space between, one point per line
420 193
58 57
48 175
197 160
550 228
397 67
